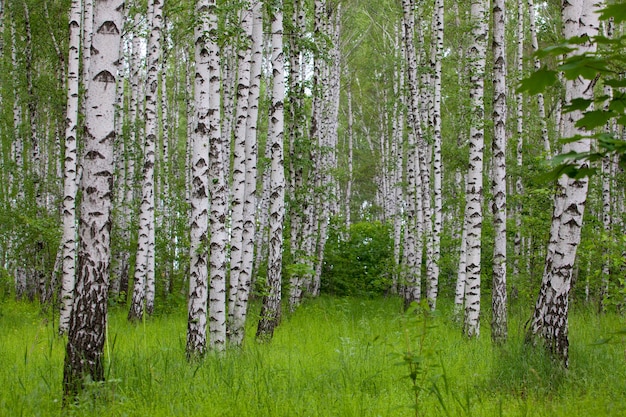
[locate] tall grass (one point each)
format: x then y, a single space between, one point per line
333 357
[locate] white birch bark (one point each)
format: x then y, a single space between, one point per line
550 318
607 192
415 209
87 330
519 157
474 195
411 285
499 294
70 186
398 138
143 291
299 197
199 193
271 310
433 278
249 203
218 193
238 183
532 27
17 151
350 139
459 290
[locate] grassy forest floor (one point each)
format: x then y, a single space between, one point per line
333 357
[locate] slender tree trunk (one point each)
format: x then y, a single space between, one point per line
519 102
537 64
350 138
474 195
607 191
70 186
87 331
143 291
299 198
271 310
499 294
249 203
550 318
244 56
433 278
199 197
415 209
218 193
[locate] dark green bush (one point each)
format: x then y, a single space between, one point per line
358 262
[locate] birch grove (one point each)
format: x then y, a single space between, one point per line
281 151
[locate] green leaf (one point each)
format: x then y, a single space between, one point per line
615 11
621 120
538 81
578 104
584 66
618 102
615 83
554 50
595 118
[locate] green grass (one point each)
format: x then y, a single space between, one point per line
333 357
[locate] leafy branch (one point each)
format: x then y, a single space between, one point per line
605 67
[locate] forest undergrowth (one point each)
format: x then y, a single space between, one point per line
333 357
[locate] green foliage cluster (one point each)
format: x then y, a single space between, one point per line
603 68
358 261
333 357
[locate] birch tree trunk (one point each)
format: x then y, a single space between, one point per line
249 203
199 197
70 186
499 294
145 264
537 65
244 56
271 310
412 291
550 318
474 195
299 198
217 191
87 330
433 278
519 157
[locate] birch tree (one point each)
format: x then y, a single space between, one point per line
271 310
498 172
244 57
87 330
540 98
143 291
217 191
474 194
414 235
70 185
438 22
550 318
199 197
249 203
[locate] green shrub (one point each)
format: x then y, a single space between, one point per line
358 262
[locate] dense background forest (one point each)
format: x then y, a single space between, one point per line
275 151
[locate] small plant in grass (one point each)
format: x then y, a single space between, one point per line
418 320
